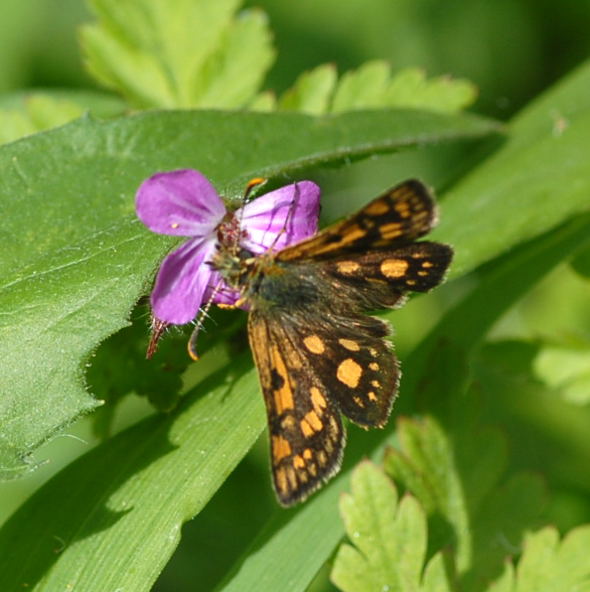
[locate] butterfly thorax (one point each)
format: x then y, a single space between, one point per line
262 281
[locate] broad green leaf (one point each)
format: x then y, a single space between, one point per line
536 180
581 263
311 92
566 369
548 564
496 291
387 538
111 520
77 259
191 55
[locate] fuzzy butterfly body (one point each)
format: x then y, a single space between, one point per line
318 353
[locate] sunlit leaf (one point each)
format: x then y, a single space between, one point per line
196 54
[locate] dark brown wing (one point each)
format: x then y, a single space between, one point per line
396 218
380 278
306 433
312 367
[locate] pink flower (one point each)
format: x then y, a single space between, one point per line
184 203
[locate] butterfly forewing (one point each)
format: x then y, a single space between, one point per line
399 216
380 278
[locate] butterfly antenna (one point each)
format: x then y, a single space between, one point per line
199 322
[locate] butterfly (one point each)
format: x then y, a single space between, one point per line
318 353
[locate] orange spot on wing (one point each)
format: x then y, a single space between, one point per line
349 372
284 395
280 448
347 267
377 208
317 399
394 268
281 480
314 344
314 421
349 344
298 462
391 230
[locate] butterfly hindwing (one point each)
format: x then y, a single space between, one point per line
399 216
306 433
356 364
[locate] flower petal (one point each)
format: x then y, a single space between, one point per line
180 203
182 281
281 217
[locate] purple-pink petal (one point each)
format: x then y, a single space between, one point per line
182 281
281 217
179 203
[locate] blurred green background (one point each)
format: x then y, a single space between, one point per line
511 50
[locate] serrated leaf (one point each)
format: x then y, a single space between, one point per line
188 56
311 92
373 86
362 88
410 88
426 466
436 576
77 258
462 512
548 564
232 75
389 538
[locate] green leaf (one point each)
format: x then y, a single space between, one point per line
538 179
78 258
388 538
372 86
123 503
581 263
550 435
411 88
363 88
25 113
455 477
566 369
146 51
548 564
40 112
311 92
